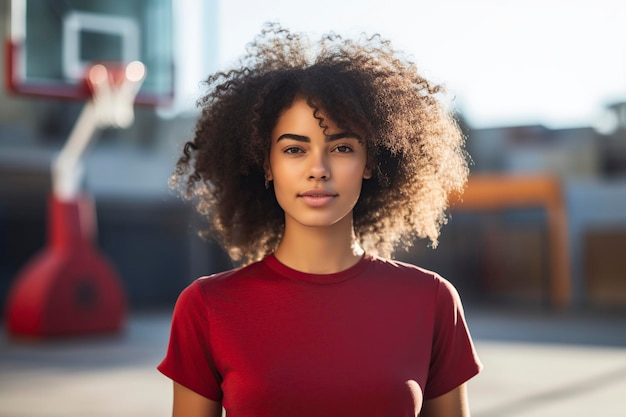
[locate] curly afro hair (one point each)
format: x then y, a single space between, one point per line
415 147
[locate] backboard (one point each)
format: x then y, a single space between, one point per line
52 43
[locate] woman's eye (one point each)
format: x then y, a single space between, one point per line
292 150
343 149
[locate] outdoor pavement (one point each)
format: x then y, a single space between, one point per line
537 363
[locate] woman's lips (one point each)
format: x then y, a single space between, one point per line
317 198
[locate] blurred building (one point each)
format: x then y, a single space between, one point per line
511 262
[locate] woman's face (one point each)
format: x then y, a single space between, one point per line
317 177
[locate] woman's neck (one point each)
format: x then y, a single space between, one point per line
319 250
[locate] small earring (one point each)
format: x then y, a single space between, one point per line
267 184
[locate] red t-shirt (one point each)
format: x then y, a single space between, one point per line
270 341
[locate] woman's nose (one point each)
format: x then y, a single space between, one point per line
319 169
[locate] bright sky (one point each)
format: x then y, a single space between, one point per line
507 62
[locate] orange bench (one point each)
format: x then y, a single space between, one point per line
486 192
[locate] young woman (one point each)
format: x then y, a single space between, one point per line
313 163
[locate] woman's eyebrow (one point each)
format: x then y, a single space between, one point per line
329 138
342 135
299 138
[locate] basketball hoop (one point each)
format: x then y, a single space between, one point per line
113 90
98 53
70 288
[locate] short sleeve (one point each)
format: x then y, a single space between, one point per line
188 360
453 359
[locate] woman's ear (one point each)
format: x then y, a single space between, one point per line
268 171
367 173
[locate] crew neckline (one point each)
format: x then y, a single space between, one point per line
274 264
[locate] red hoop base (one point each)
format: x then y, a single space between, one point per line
69 289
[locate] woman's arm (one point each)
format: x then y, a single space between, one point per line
451 404
188 403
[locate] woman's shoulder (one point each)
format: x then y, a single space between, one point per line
399 268
412 278
230 277
408 273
